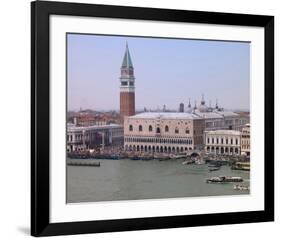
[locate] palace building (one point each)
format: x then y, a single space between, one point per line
127 86
226 142
163 132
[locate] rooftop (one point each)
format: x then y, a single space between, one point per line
208 114
165 115
224 132
216 114
228 113
72 127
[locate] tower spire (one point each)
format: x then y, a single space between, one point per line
127 61
202 100
189 104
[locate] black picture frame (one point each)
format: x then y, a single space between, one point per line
40 113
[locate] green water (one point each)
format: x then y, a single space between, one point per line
129 180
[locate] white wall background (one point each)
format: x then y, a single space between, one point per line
15 118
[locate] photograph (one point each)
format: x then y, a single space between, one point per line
149 118
156 118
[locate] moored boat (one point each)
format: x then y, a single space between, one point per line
241 166
135 158
199 161
163 158
211 169
224 179
147 158
178 156
188 162
214 165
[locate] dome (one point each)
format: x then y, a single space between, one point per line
203 108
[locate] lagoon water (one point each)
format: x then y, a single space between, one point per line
130 179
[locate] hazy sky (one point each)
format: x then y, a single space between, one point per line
167 71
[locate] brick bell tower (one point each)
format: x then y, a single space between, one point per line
127 86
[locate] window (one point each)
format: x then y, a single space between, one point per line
150 128
166 129
124 83
208 139
158 130
187 131
130 128
140 127
217 123
177 130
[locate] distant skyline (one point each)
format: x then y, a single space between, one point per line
168 72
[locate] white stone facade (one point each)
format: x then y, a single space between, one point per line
226 142
87 137
163 132
246 140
